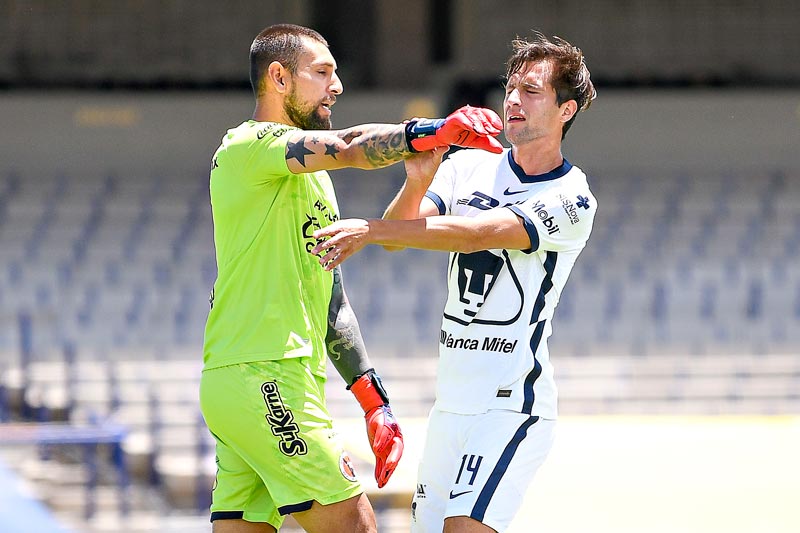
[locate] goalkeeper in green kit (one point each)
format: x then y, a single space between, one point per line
276 314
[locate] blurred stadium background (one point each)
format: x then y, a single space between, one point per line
676 344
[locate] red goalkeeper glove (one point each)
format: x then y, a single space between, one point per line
470 127
382 429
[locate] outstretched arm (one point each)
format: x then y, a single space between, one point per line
367 146
371 146
495 228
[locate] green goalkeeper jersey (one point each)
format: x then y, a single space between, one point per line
270 299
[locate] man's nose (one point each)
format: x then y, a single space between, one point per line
513 96
336 85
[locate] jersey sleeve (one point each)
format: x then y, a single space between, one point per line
266 155
442 188
557 220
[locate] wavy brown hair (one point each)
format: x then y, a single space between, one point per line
570 77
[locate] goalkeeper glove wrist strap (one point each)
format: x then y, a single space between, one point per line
419 129
368 390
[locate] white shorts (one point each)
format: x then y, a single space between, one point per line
478 466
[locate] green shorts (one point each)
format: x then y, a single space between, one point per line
276 448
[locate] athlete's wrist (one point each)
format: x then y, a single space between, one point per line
417 183
378 231
369 391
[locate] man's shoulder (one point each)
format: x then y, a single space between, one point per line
253 148
473 156
576 172
575 179
471 162
239 142
251 130
575 188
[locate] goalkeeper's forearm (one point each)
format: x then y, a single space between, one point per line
345 344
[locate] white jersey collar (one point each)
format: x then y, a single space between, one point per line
556 173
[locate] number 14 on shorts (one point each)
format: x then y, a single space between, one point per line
468 469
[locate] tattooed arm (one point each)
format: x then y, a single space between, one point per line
346 350
345 346
366 146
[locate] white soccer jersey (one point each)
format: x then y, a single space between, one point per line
493 342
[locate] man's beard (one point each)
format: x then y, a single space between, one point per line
305 118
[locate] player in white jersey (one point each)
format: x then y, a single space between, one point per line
514 223
500 301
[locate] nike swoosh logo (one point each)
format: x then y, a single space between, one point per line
457 494
509 192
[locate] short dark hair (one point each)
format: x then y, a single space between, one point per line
282 43
570 77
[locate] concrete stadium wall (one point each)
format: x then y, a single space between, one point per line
623 130
391 43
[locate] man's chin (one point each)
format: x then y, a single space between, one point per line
323 123
307 120
316 122
520 136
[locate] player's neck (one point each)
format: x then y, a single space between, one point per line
269 112
538 157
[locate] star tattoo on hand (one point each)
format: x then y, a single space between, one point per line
331 150
298 151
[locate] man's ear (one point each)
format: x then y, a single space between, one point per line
278 77
568 110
